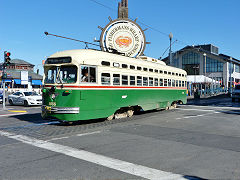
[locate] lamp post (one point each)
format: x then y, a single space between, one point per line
170 49
230 90
205 71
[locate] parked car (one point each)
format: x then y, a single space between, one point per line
25 98
236 93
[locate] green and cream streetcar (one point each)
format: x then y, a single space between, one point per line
89 84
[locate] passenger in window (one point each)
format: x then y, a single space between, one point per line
85 77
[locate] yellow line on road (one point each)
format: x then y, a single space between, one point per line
17 111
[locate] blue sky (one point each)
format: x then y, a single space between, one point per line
192 22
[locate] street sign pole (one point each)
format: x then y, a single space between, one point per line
3 79
4 95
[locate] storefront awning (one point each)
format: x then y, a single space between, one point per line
36 82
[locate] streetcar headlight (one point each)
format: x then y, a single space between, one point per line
53 96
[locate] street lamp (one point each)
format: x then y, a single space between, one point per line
230 75
170 49
205 71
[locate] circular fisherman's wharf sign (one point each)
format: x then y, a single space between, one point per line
123 36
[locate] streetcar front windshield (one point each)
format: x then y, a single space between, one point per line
61 75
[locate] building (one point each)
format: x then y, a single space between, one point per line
14 75
205 60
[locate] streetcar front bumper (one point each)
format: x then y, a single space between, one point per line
60 110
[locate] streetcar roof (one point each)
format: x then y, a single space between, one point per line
95 57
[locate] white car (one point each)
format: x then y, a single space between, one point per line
25 98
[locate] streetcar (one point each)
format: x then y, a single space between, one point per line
89 84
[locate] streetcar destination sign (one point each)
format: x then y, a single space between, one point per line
124 36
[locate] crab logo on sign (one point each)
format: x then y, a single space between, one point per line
124 36
123 41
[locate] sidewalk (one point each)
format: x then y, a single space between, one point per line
207 96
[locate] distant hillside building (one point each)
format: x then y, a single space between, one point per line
206 60
14 74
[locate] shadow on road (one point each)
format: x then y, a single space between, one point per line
193 178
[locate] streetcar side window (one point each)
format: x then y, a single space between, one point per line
169 73
150 81
139 68
176 74
145 81
173 83
176 83
155 82
116 65
132 80
124 80
180 83
139 80
165 82
105 79
169 83
165 72
124 66
156 71
161 82
145 69
88 74
132 67
150 70
160 71
185 83
116 79
105 63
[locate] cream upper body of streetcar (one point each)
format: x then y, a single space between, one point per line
91 67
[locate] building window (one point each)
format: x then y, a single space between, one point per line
191 62
212 65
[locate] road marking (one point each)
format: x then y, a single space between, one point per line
123 166
13 114
17 111
196 110
212 107
200 115
83 134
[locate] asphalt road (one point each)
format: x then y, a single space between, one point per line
200 140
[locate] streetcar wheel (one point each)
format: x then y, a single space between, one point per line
130 113
25 103
109 118
10 102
